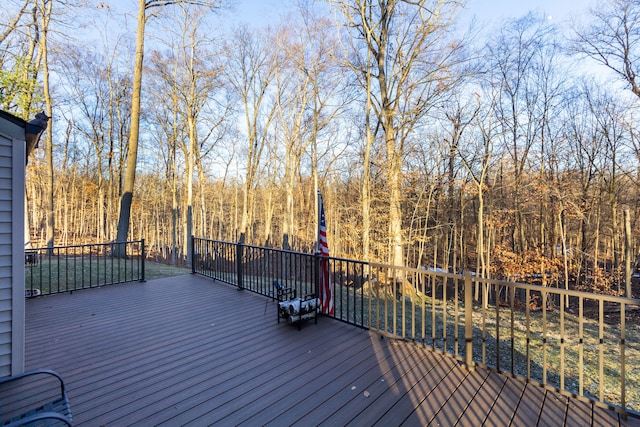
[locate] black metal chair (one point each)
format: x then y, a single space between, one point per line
283 293
51 413
295 310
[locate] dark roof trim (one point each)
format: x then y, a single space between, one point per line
11 118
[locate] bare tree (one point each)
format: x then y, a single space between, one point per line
144 6
308 99
411 58
44 8
611 38
13 23
250 74
197 80
21 57
169 125
608 112
516 58
476 155
586 152
462 112
99 94
293 97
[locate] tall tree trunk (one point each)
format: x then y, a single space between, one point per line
46 7
190 160
288 227
395 194
366 172
205 229
482 266
132 156
174 208
563 239
615 241
628 253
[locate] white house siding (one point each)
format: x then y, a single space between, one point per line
5 258
11 251
17 243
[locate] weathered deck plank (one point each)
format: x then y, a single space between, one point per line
295 398
186 350
578 413
425 397
431 370
351 401
530 406
484 400
351 381
453 409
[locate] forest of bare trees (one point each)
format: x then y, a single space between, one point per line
510 150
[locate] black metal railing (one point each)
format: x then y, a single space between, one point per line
69 268
252 267
578 343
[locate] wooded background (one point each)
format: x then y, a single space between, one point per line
508 149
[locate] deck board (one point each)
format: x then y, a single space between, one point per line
425 398
484 400
603 417
402 395
531 407
504 409
275 382
453 409
350 400
340 371
578 413
554 408
188 350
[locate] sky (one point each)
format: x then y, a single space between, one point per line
262 12
496 10
485 11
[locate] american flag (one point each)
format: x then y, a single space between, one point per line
322 247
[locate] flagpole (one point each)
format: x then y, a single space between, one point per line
318 219
322 255
317 254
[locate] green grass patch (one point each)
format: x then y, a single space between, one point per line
63 274
154 270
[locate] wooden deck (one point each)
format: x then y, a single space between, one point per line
187 350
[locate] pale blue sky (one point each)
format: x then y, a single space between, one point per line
486 11
500 9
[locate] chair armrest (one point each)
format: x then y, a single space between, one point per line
39 417
286 294
35 372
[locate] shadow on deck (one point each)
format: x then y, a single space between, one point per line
187 350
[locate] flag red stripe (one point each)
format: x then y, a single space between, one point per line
325 294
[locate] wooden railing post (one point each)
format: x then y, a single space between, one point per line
468 322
